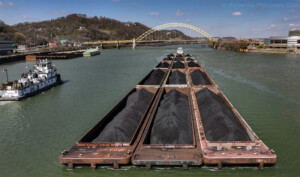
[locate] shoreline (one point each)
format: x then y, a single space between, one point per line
266 51
22 56
275 51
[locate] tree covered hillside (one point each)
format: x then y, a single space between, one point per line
77 27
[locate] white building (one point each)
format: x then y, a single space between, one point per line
283 42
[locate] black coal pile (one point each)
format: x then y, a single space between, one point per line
124 124
192 64
178 65
218 120
190 59
168 58
155 77
177 77
163 65
199 78
179 59
172 122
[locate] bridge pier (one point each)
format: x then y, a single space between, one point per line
133 43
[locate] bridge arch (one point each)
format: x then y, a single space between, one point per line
183 25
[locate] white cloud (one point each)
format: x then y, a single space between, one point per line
272 27
25 17
237 13
294 25
180 13
294 18
285 19
1 4
154 13
10 3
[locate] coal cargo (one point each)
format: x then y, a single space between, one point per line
177 77
155 77
199 78
190 59
124 124
172 125
168 58
192 64
172 122
178 59
178 65
163 65
219 122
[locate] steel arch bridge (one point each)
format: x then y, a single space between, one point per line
183 25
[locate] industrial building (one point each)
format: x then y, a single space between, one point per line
292 41
6 47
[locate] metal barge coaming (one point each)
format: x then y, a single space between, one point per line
164 61
192 69
165 70
168 154
219 153
32 93
110 153
202 151
107 153
84 141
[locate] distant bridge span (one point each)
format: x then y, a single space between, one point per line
160 27
183 25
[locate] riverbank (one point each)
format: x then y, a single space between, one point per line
248 46
274 51
61 50
18 57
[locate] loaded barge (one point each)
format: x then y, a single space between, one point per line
43 77
175 116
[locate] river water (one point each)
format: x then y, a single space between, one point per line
265 89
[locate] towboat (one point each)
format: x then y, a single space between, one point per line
180 50
91 52
42 77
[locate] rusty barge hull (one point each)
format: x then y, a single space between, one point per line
86 152
253 152
140 152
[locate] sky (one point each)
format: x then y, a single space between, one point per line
219 18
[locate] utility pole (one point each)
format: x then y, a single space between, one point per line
5 70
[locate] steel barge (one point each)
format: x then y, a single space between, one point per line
43 77
204 147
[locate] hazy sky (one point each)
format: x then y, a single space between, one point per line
239 18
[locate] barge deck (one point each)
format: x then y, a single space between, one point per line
158 139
